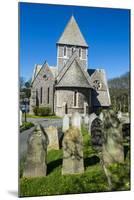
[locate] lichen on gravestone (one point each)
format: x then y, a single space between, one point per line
72 152
36 158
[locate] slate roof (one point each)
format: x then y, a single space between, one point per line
36 70
73 68
54 70
72 34
101 96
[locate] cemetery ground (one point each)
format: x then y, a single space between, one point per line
93 179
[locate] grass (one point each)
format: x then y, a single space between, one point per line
26 125
35 116
92 180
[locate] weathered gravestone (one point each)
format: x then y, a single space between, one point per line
36 163
119 115
72 152
76 120
97 136
113 151
52 134
91 118
65 126
20 118
86 120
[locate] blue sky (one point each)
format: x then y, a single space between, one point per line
105 30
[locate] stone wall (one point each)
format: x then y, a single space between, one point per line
61 59
44 80
66 96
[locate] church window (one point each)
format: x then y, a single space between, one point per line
41 95
48 95
65 51
75 98
80 53
37 101
73 49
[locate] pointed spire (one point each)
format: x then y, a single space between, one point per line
72 34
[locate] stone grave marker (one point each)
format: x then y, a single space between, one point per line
20 118
52 133
72 152
65 126
76 120
91 118
97 137
86 120
113 151
36 159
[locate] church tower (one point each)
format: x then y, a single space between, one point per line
70 41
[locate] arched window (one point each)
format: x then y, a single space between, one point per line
37 100
48 95
73 49
41 95
75 98
65 51
80 53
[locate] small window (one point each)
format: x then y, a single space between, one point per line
48 95
37 101
75 98
73 49
65 51
80 53
41 95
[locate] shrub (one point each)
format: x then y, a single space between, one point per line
26 125
44 111
36 110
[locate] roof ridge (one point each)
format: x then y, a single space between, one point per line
72 34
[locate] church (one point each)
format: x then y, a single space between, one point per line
70 86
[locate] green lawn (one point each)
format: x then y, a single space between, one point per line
92 180
35 116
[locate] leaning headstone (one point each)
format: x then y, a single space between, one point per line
76 120
113 151
20 118
72 152
36 159
52 133
97 137
65 126
91 118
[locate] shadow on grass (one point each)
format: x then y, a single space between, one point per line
91 161
52 165
126 150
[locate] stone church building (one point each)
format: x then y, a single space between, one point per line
70 86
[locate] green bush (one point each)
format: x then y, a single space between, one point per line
44 111
36 110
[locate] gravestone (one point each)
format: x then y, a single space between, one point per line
86 120
76 120
91 118
65 126
119 114
36 159
97 137
72 152
52 134
113 151
20 118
